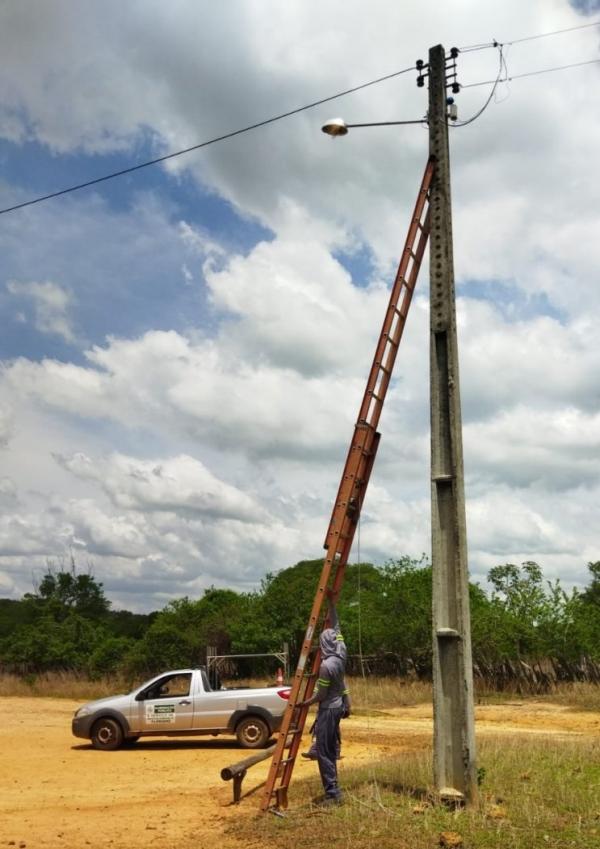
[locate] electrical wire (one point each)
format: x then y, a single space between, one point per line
360 646
532 73
555 32
225 136
230 135
501 67
474 47
359 593
494 43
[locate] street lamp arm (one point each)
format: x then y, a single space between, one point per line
388 123
338 127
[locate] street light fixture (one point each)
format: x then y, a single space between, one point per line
338 127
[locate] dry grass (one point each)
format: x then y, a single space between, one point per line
539 793
380 693
369 693
576 694
62 685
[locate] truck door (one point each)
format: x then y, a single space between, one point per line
167 705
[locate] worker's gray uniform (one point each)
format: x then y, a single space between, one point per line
330 696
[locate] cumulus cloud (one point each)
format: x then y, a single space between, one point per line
292 319
200 436
178 484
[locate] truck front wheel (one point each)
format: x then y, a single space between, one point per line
107 734
252 732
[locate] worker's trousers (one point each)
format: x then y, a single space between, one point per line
327 732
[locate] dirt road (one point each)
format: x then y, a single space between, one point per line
59 792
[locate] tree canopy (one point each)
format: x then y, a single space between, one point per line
67 621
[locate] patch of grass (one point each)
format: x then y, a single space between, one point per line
540 793
576 694
368 694
372 693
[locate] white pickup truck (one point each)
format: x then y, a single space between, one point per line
179 703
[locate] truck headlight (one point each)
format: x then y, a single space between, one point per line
83 711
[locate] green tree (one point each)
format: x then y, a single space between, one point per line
49 644
109 656
61 592
518 593
591 594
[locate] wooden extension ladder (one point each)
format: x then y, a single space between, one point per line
350 496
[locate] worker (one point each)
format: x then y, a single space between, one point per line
334 702
312 754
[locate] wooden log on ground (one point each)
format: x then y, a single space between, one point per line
238 770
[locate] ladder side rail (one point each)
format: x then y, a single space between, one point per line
393 327
361 460
360 447
353 484
299 679
336 587
419 231
408 292
338 578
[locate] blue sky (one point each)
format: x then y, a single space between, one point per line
185 347
120 285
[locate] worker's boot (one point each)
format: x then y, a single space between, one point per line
311 755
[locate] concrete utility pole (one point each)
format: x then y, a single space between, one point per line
453 712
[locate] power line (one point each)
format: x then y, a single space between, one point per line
167 156
531 74
556 32
307 106
501 67
494 43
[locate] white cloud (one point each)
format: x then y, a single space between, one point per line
201 441
51 304
178 484
6 425
559 449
